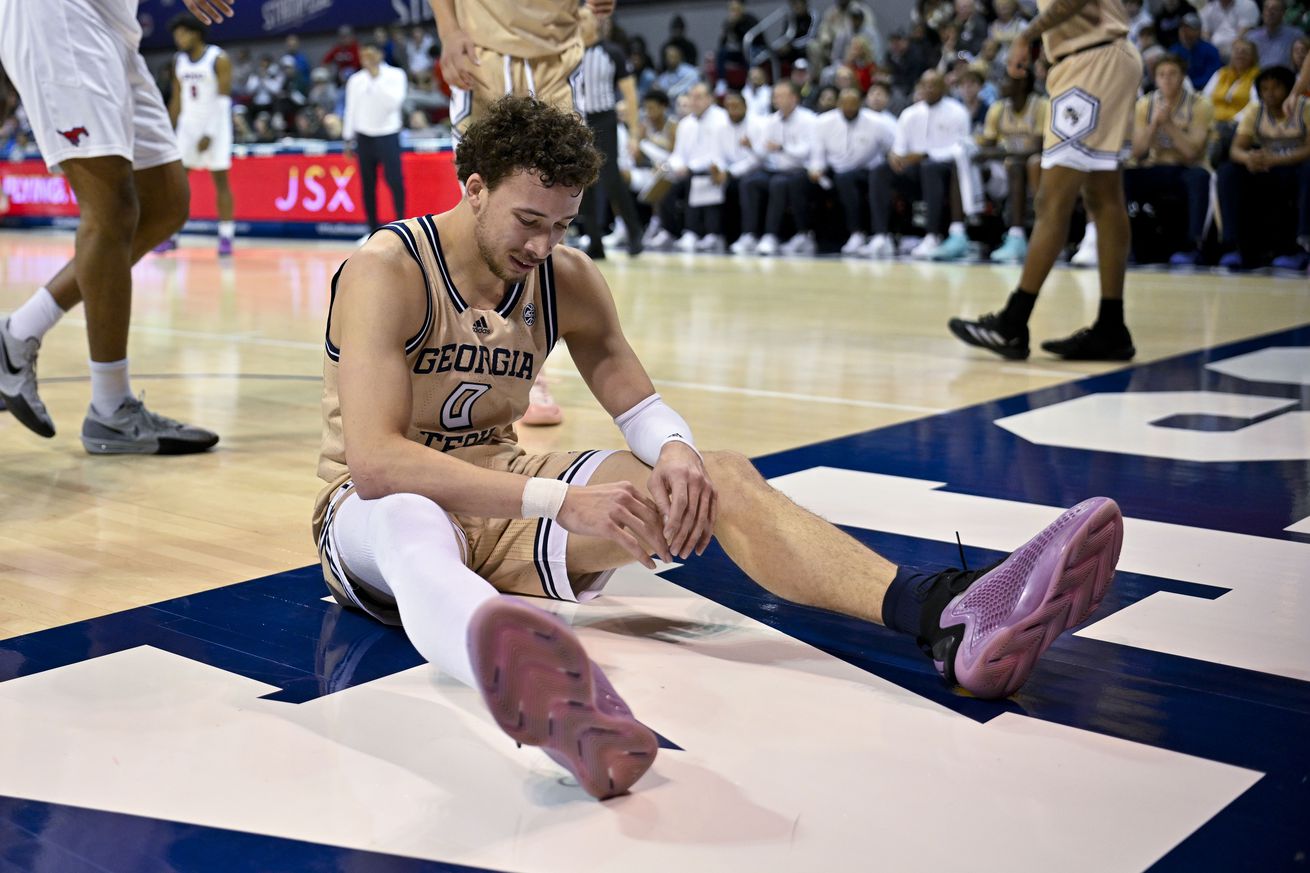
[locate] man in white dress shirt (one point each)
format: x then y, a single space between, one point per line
782 181
695 150
848 142
921 166
371 128
1223 23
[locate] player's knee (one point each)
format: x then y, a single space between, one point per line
171 207
394 515
113 215
731 470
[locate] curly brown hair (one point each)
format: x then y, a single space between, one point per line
522 133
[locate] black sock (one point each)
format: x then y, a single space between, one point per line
1018 309
1110 318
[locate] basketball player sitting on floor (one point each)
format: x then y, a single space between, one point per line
432 512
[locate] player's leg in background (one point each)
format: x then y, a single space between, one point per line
160 198
1056 197
226 210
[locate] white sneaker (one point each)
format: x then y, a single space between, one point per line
711 243
661 241
745 244
618 238
799 244
925 249
768 246
582 242
686 242
652 230
879 246
854 244
1086 254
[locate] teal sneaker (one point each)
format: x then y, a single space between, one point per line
954 248
1013 251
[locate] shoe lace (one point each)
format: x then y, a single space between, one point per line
137 407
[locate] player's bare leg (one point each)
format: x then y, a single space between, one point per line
1006 332
226 211
984 628
1108 338
163 196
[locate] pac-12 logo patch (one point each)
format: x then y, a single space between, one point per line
74 135
530 315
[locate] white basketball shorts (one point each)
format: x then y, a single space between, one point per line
86 88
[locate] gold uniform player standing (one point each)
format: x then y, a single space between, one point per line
491 48
430 509
1093 88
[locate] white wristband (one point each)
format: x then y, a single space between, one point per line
542 498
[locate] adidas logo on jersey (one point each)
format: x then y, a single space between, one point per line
480 326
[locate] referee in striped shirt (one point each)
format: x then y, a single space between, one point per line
597 85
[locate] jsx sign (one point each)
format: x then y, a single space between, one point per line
318 189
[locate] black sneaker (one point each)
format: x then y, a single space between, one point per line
985 629
1091 345
990 333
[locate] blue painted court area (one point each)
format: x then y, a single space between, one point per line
1202 647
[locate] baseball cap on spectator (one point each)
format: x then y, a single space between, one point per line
1191 19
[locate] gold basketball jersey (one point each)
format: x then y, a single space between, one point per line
470 369
1099 21
520 28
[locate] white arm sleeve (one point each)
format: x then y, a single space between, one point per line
649 425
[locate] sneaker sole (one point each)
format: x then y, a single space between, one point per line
962 334
1126 354
155 447
1049 585
543 690
27 416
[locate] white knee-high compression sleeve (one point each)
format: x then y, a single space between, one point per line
404 544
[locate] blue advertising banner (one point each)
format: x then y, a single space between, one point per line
261 19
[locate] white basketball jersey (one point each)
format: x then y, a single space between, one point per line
198 81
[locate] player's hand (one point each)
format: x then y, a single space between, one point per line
815 176
1289 105
1257 161
634 149
210 11
601 8
717 175
686 497
459 62
620 513
348 150
772 146
1016 63
896 162
203 145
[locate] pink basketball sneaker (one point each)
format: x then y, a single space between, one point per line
543 690
999 620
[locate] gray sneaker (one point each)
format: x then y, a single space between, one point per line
18 382
135 430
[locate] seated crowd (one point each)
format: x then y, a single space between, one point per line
829 135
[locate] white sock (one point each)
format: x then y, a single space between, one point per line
110 385
227 229
405 545
35 317
956 228
1017 233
